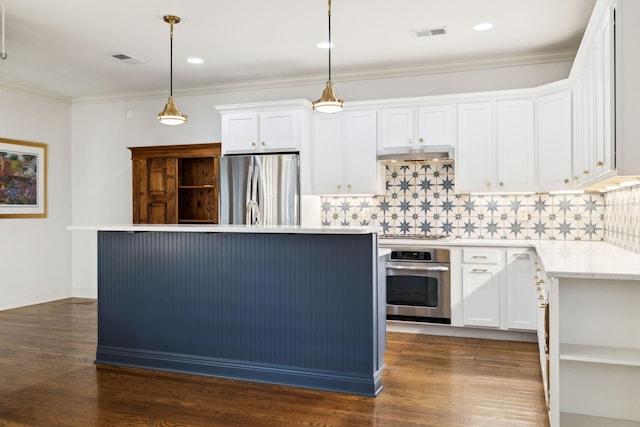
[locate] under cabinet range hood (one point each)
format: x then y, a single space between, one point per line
434 153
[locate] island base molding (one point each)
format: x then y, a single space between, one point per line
336 382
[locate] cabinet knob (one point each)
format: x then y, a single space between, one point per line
567 181
421 140
488 184
600 164
575 178
263 143
253 144
585 172
339 186
501 184
349 186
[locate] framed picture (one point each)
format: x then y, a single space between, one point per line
23 179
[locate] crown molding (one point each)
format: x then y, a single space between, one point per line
35 92
345 76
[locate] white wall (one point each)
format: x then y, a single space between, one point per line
101 165
35 261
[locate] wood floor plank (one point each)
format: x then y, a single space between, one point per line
47 377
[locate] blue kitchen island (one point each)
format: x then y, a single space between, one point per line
284 305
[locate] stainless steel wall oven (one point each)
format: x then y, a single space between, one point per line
418 285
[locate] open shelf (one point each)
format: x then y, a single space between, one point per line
600 354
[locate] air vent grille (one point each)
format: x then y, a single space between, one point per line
127 58
428 32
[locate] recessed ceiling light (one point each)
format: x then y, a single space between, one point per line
195 61
483 26
324 45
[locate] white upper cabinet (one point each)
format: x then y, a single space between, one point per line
417 127
495 146
344 153
476 155
593 107
265 127
515 162
554 141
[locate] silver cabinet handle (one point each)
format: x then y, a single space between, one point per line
479 257
479 270
521 256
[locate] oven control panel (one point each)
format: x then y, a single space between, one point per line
420 255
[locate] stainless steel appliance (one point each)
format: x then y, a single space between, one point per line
260 189
418 285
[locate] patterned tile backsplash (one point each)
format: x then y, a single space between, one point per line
622 218
420 198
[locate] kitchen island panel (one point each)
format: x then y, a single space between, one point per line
294 309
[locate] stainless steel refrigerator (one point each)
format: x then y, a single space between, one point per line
260 189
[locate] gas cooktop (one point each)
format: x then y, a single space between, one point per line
413 236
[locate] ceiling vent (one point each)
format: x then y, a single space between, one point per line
428 32
128 59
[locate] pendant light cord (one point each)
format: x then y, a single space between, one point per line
171 59
329 40
3 53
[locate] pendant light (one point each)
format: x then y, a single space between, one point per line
329 102
170 115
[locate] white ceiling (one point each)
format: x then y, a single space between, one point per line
65 47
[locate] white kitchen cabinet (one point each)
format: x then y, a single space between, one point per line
594 140
264 127
476 154
481 277
521 299
344 153
417 127
261 132
495 146
554 132
498 288
515 135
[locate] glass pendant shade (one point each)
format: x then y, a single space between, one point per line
170 115
328 102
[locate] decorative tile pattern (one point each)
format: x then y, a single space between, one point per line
420 199
622 218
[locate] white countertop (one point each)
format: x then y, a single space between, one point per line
214 228
565 259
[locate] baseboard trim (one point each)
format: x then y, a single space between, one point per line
328 381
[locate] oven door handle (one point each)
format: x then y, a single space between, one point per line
432 268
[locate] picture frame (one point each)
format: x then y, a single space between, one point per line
23 179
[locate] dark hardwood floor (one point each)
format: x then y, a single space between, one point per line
47 377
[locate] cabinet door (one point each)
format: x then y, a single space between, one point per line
476 157
239 133
520 291
584 123
554 141
396 128
155 187
359 164
481 295
515 145
278 131
327 153
437 125
604 138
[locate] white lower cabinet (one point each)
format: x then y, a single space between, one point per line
481 295
498 288
520 290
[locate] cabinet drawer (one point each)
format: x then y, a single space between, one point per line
480 256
